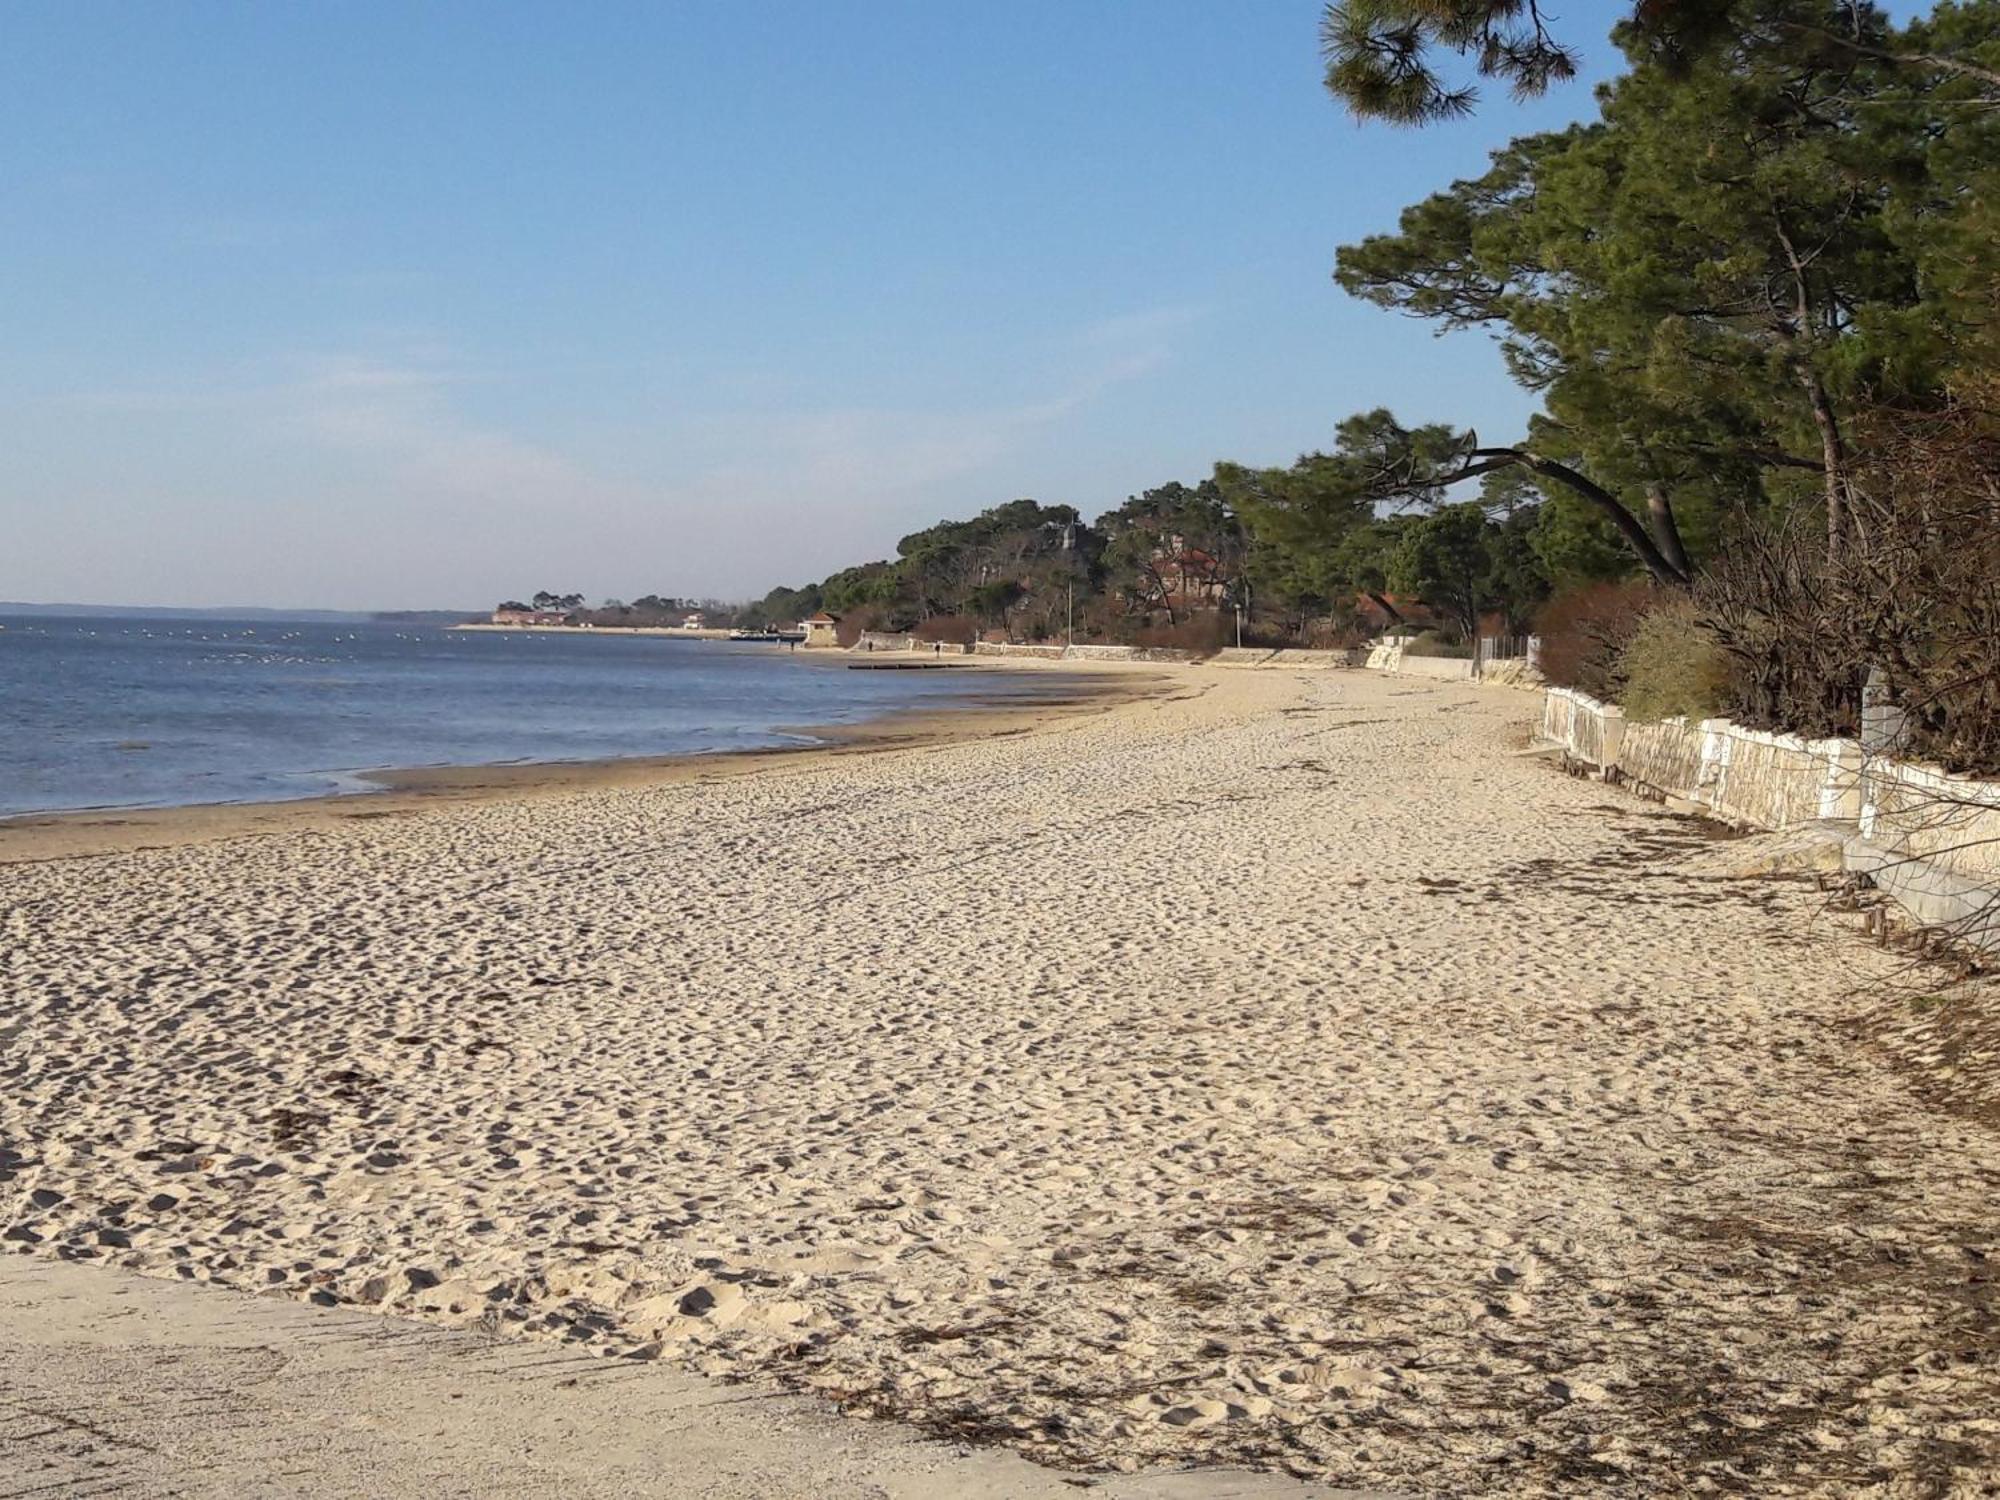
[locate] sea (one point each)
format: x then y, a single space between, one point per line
108 711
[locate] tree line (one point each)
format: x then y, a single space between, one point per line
650 610
1755 297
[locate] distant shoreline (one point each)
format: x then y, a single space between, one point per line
261 613
664 630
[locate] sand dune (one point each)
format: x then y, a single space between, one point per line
1279 1072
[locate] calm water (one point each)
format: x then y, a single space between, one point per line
130 712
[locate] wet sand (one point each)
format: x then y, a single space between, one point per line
123 1385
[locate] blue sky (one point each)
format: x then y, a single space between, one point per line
383 305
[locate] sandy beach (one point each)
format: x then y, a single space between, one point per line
1268 1068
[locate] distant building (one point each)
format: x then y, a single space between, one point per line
528 617
1378 613
821 629
695 621
1189 577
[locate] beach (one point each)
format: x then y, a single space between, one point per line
1276 1068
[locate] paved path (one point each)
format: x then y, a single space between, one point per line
112 1384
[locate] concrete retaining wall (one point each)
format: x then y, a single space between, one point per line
1589 730
1930 839
1967 907
1382 658
1389 656
1000 648
1953 822
1289 656
1450 668
1558 708
1509 671
1664 757
1743 775
1776 780
1085 653
1129 653
882 640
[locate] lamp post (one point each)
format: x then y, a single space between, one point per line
1069 545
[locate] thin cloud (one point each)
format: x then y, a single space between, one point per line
1148 325
730 501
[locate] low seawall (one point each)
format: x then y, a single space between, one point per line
1389 656
1288 656
882 640
877 641
1008 648
1928 838
1380 658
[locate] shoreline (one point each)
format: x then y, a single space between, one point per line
668 632
411 791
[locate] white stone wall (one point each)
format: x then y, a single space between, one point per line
1129 653
1449 668
1743 775
1007 648
1665 756
1085 653
1929 838
1389 656
1776 780
1289 656
1950 821
1589 730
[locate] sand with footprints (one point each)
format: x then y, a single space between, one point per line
1280 1069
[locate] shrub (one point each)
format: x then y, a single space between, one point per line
1673 667
953 630
1325 633
1584 630
1205 632
1430 643
855 621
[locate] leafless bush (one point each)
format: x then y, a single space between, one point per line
1779 613
1915 590
1925 573
1431 643
1200 632
857 620
1584 633
956 630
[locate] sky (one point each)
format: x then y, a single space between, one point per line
409 305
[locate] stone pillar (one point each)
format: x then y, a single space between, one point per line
1884 724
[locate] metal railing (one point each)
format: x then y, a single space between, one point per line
1492 648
